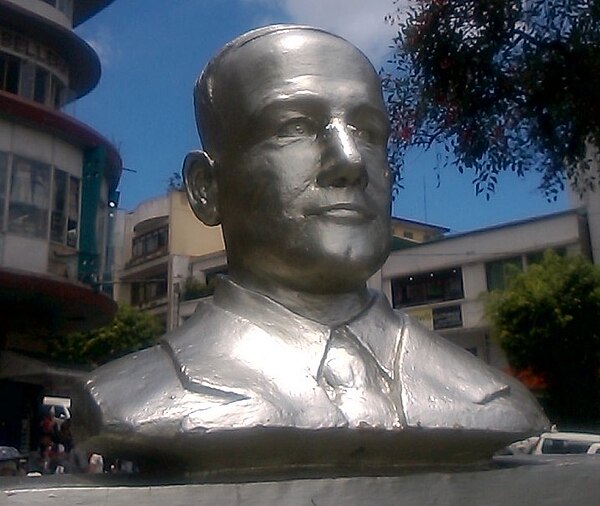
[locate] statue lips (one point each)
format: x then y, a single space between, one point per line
344 213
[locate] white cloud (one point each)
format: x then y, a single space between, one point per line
102 41
360 21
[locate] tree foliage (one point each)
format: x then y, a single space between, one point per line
175 182
130 330
501 84
194 288
547 320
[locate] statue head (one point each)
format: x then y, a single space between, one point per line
294 167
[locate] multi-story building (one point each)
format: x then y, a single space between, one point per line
58 180
443 282
589 199
168 258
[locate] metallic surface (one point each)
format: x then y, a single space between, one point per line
293 348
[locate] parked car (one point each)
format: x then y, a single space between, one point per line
561 443
594 449
550 447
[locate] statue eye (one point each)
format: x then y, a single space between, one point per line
297 127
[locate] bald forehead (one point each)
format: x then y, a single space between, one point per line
276 66
283 56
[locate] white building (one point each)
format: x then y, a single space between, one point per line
167 257
57 177
590 200
443 282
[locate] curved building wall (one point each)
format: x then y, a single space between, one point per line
40 189
59 11
33 70
57 175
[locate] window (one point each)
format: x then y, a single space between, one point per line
150 290
408 234
428 288
564 446
29 195
150 243
3 181
537 256
35 84
56 93
42 201
65 6
73 216
41 85
9 73
26 79
64 217
499 273
58 219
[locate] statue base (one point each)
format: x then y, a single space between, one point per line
572 481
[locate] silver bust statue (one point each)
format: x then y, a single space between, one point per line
294 362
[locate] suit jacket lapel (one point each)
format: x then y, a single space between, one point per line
445 386
379 330
254 364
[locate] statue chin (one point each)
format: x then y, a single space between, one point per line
316 268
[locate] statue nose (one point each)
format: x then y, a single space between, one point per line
341 163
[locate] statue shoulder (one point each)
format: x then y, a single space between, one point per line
445 386
117 391
142 393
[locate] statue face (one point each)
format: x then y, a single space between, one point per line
304 185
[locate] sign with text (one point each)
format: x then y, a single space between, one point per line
447 317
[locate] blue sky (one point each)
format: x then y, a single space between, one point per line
153 50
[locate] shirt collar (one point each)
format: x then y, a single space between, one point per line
377 327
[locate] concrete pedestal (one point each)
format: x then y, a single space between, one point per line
568 483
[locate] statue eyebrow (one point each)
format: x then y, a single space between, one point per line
303 102
313 105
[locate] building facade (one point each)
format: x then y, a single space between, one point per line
58 180
168 258
589 198
443 282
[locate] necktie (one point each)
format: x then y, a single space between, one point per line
356 384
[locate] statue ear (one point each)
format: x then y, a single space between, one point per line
201 186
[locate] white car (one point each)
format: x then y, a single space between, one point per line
566 443
550 447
